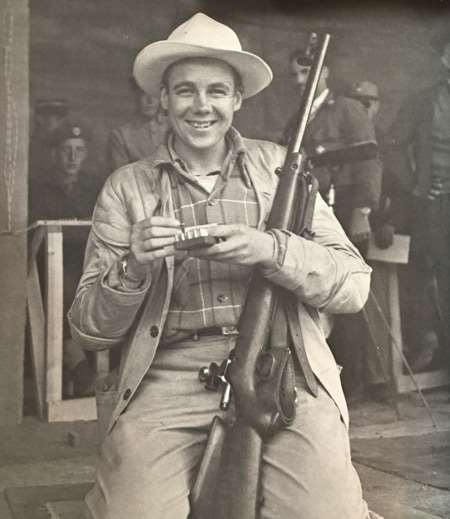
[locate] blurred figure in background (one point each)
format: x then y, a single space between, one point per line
371 363
337 121
48 115
68 192
141 136
352 189
420 142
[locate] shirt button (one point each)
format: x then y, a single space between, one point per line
127 394
154 330
222 298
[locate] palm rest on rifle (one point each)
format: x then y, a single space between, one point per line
227 448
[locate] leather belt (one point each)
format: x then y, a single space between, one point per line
215 330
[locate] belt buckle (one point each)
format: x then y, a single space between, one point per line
229 330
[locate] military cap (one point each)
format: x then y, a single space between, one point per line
302 58
364 91
70 129
51 106
305 57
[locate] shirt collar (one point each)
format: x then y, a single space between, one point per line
166 154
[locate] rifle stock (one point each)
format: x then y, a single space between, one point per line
226 459
262 378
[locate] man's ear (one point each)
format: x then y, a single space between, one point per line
164 101
237 100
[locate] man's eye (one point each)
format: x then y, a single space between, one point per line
184 92
219 92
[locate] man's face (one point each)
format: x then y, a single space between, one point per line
70 156
148 105
201 98
300 75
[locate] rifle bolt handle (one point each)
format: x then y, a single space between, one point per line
226 397
204 373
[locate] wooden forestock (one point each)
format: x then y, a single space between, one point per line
227 485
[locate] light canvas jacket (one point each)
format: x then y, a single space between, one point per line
327 273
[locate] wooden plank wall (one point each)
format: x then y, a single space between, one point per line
13 208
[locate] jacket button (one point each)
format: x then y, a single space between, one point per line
154 330
222 298
127 394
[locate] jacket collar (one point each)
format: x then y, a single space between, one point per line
165 155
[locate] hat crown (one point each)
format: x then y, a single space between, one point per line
203 31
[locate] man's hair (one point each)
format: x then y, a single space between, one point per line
236 76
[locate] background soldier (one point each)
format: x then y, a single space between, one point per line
337 121
422 130
140 137
68 191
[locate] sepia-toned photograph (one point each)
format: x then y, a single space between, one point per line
225 259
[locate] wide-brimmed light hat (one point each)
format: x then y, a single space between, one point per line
200 36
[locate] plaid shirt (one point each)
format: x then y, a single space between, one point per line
209 293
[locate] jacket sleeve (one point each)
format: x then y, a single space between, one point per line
328 272
103 311
366 174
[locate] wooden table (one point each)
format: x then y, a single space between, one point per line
393 256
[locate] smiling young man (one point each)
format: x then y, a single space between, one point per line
173 312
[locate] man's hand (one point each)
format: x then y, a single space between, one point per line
359 229
384 236
151 239
240 245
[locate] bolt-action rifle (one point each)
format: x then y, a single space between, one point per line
259 373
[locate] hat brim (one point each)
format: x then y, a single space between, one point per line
152 61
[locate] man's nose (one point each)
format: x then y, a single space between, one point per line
201 102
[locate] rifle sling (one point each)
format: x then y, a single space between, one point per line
297 341
285 326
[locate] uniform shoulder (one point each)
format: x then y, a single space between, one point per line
348 103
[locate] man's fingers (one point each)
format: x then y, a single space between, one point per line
148 257
159 221
158 232
157 243
225 231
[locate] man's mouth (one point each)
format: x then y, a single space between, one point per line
201 125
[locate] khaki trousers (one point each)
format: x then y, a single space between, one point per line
149 461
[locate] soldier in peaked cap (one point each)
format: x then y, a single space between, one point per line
338 121
66 192
172 313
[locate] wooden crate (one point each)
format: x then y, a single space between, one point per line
46 327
